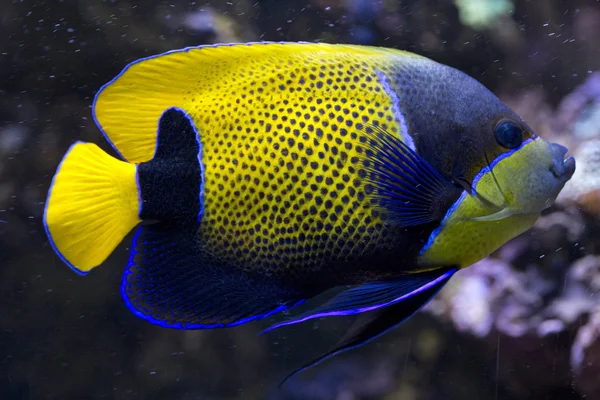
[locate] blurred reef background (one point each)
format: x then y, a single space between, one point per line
522 324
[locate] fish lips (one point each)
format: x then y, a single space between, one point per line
562 169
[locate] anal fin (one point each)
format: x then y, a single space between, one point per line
168 283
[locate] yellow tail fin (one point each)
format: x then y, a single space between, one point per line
92 204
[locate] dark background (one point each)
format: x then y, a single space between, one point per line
520 325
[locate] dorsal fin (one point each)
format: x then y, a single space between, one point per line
403 186
126 109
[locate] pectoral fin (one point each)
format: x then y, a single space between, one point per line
402 185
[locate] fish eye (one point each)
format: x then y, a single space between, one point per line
508 134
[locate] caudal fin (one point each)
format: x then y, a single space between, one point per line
92 204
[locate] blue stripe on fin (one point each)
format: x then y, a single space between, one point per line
168 282
371 325
371 296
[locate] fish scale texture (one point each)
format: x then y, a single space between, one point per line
281 147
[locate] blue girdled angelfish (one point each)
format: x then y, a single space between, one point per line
264 174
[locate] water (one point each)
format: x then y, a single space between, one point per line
523 324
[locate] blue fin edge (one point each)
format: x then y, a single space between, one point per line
358 310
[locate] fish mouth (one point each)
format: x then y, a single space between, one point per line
565 170
562 169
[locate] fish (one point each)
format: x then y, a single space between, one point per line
258 176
